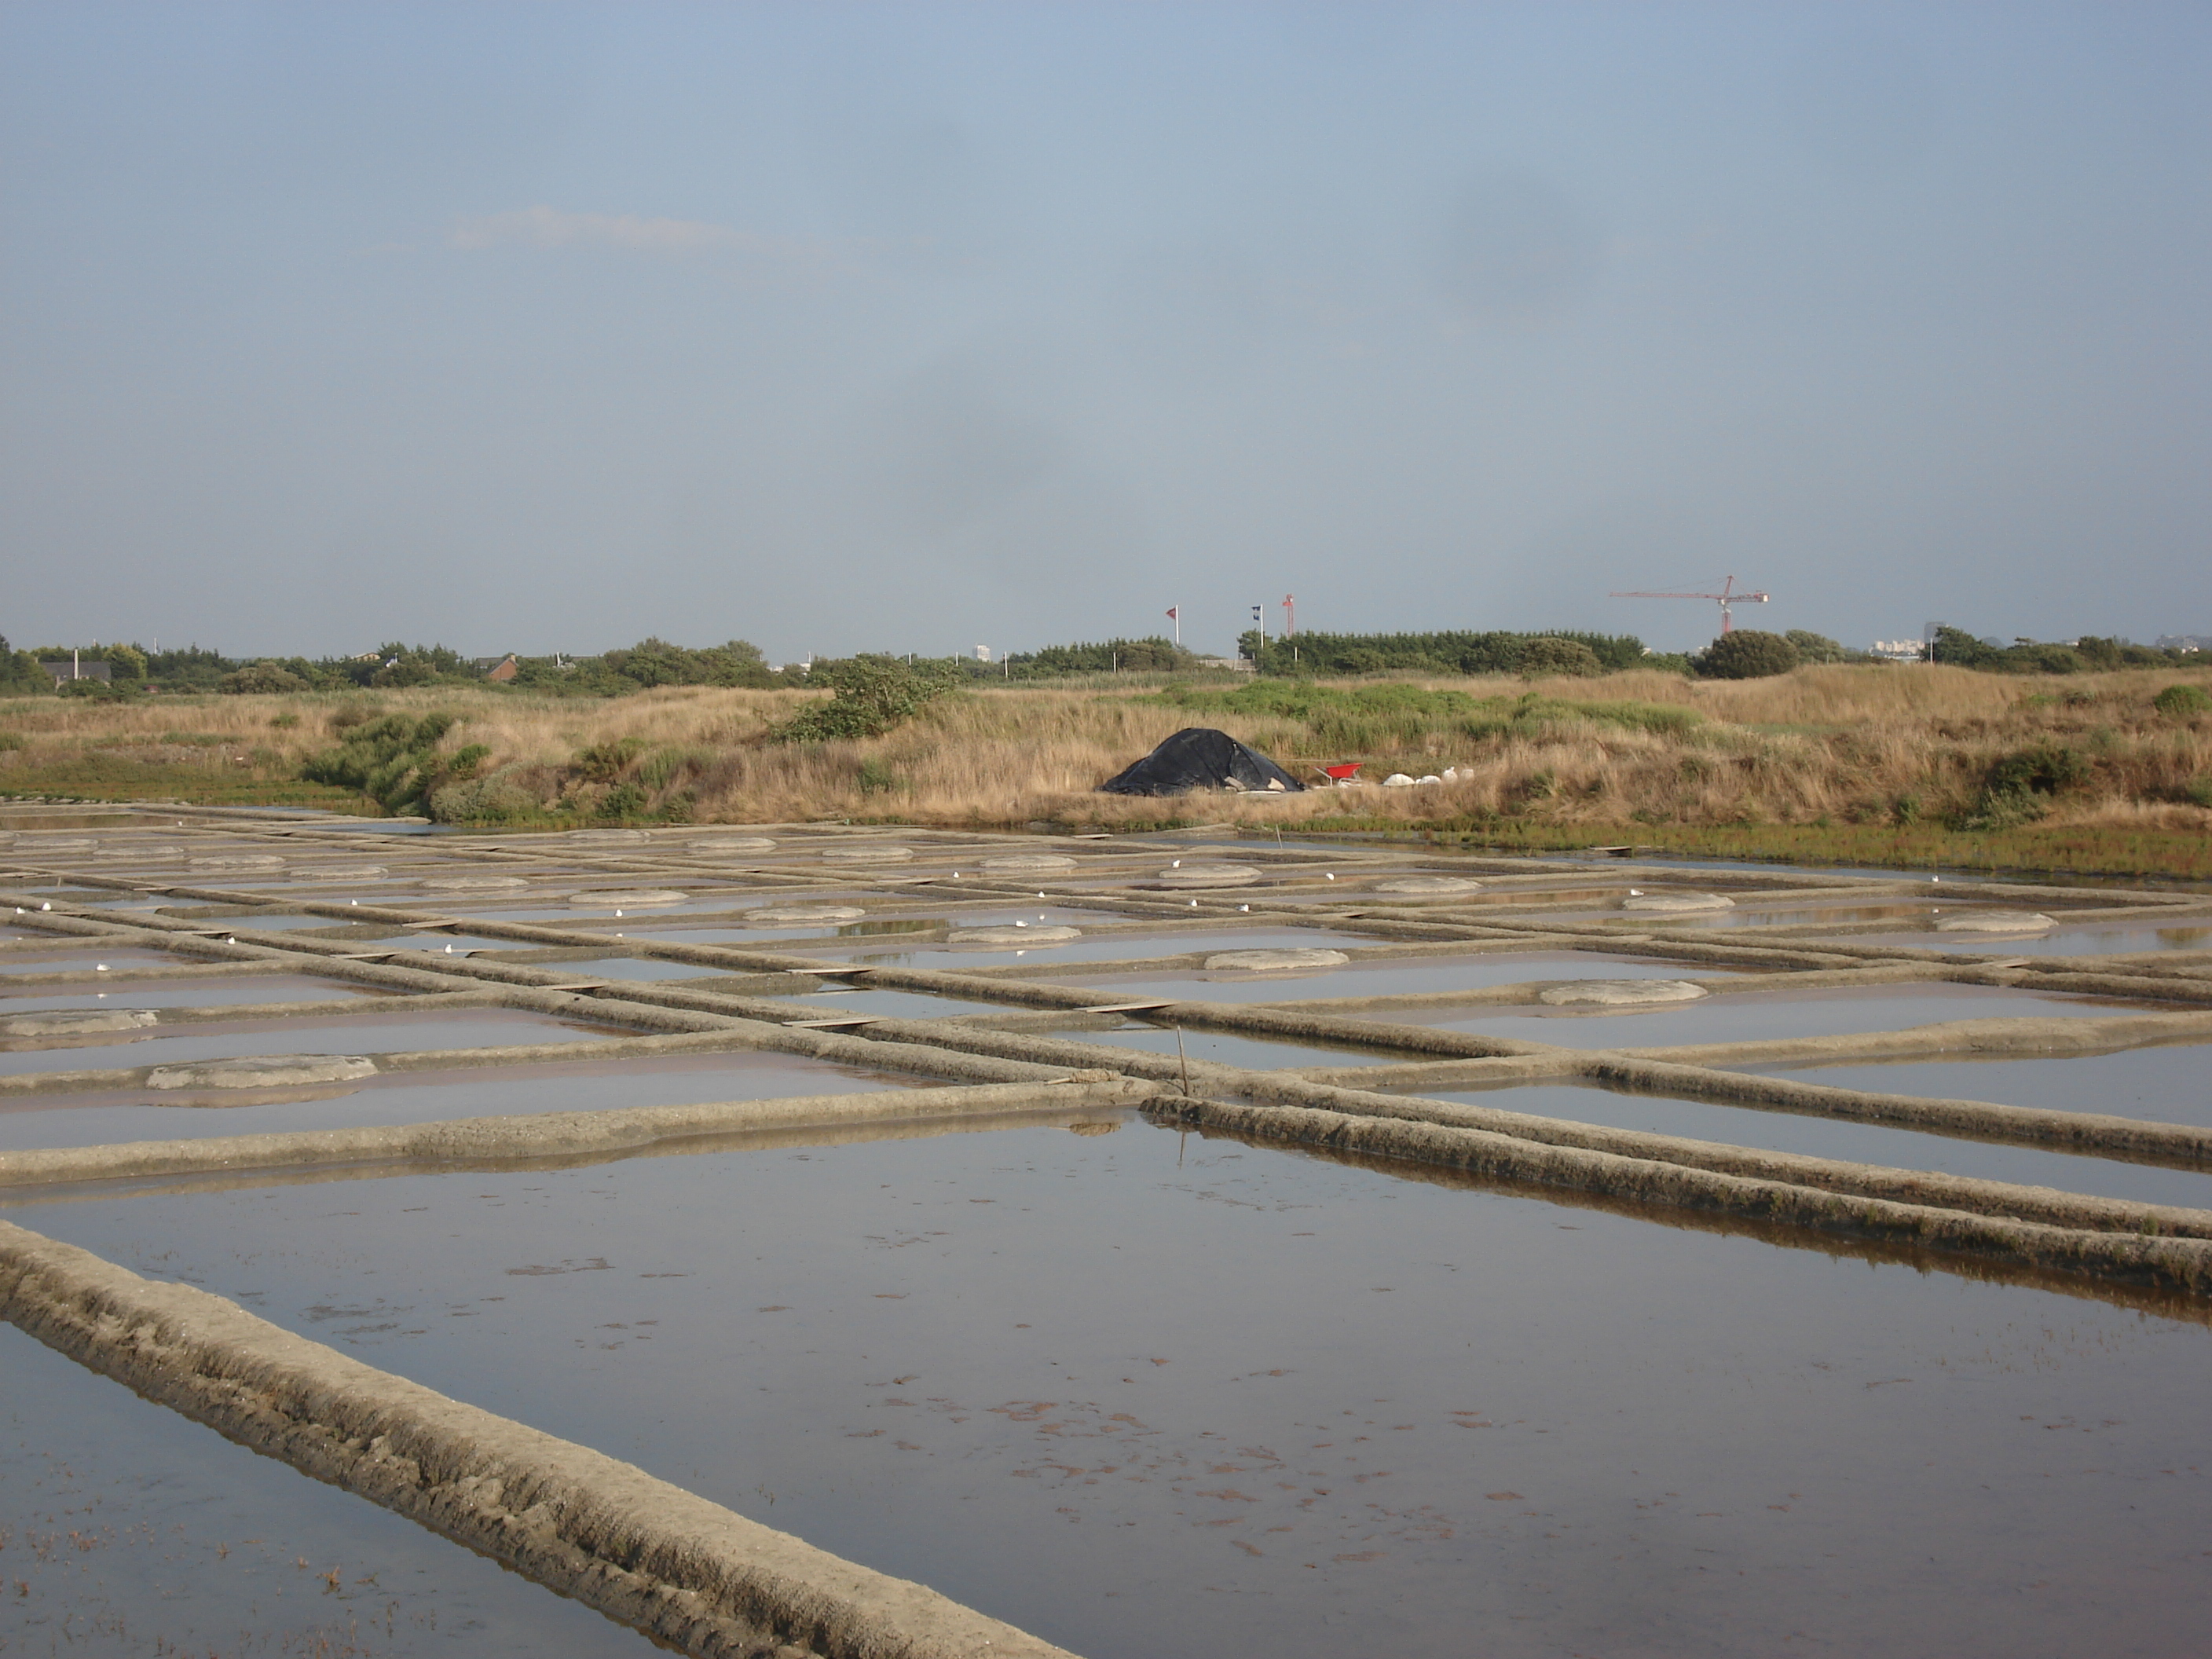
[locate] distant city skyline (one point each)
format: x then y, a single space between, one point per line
840 328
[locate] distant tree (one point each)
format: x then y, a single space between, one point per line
126 662
1814 648
1962 649
1748 653
260 678
2096 652
1549 654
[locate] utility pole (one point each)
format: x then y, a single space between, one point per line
1260 622
1289 615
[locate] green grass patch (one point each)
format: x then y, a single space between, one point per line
2079 849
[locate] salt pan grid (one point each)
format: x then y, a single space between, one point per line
1486 1023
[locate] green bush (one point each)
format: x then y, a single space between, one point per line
393 760
11 739
1550 654
284 721
603 762
876 777
260 679
873 695
2182 702
1814 648
1747 653
2017 788
624 800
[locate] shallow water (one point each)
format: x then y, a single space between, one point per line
2169 1084
1861 1143
1385 977
2089 941
436 1097
367 1033
125 1529
1757 1016
1234 1048
1389 1415
192 993
1115 947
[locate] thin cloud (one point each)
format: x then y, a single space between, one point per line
546 227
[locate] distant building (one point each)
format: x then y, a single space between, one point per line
1898 650
983 653
63 672
1237 665
498 669
2185 641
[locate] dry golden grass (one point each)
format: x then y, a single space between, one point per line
1844 744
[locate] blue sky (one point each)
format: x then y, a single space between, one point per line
838 327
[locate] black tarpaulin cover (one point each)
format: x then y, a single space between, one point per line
1199 757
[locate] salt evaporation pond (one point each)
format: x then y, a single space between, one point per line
1152 1397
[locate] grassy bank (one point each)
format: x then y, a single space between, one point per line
1843 764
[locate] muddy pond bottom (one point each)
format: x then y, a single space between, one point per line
1157 1396
126 1529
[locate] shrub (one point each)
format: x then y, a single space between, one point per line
2017 787
873 695
1549 654
876 777
284 721
2182 702
11 739
624 800
1814 648
1748 653
260 679
603 762
391 760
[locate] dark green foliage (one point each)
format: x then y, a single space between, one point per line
1814 648
873 695
1551 655
1496 652
2017 787
1153 655
2024 656
876 777
391 760
260 678
1748 653
467 759
624 800
655 662
1396 718
101 690
2182 702
603 762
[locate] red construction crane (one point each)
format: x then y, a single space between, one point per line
1727 596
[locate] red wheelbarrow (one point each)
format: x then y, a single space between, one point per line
1341 773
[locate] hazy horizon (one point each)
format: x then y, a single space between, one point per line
845 327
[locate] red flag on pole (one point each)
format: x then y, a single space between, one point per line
1171 613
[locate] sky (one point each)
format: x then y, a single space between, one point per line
914 327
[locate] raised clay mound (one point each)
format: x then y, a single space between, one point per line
607 836
345 872
238 861
147 851
62 844
1016 935
867 854
639 896
1995 921
731 844
1209 875
1429 884
1679 901
85 1022
1019 863
1620 993
783 915
475 884
263 1072
1261 962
